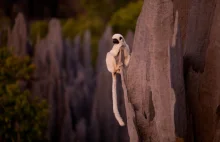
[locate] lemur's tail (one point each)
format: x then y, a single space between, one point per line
115 104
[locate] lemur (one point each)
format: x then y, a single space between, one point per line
114 67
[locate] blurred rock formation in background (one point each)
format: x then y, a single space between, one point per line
172 78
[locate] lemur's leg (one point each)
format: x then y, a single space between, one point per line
111 63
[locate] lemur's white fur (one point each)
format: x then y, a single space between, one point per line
114 67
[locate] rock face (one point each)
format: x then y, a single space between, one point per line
172 78
149 80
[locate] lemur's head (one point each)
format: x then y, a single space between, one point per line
118 38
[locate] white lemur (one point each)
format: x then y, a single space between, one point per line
114 67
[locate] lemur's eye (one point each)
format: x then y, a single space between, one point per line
120 38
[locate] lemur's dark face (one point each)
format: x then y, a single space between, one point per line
117 38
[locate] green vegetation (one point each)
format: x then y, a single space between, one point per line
22 117
126 17
103 8
39 29
73 27
68 28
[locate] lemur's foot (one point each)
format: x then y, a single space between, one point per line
118 71
120 64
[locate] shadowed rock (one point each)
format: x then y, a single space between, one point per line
81 76
0 38
177 81
202 69
197 35
70 61
3 36
87 61
81 130
87 50
67 133
77 47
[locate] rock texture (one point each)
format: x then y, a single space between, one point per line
153 96
129 39
172 78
